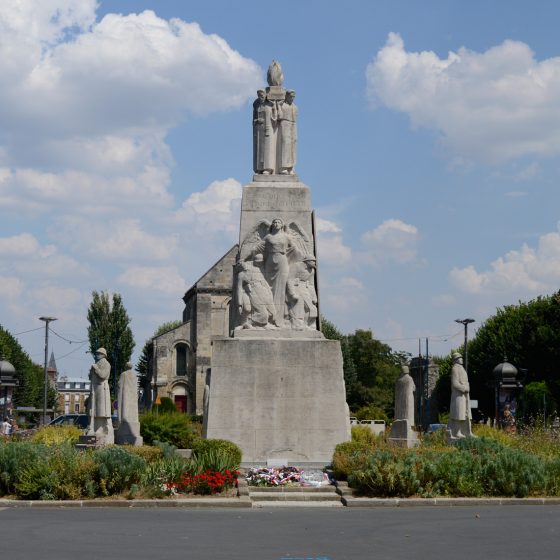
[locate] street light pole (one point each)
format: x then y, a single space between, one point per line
465 323
47 321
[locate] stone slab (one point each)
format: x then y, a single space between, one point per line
278 398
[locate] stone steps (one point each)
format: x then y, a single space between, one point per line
325 496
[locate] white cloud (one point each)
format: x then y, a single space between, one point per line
345 294
326 226
443 300
18 245
392 241
165 279
525 272
10 287
490 106
216 208
113 240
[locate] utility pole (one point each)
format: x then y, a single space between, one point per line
465 323
47 321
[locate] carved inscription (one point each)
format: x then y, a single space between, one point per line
271 200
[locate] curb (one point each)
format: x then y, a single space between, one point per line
446 502
241 502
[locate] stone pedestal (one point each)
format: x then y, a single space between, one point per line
403 435
278 398
128 433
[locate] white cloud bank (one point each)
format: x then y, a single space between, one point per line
392 241
491 107
523 273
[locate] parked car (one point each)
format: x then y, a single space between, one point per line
436 427
79 420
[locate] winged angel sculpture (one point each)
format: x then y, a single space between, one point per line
275 277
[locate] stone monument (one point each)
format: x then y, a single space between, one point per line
276 385
402 432
459 409
128 431
100 424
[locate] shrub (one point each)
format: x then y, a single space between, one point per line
173 427
167 405
117 470
349 457
159 477
15 458
372 412
214 451
363 434
56 435
150 453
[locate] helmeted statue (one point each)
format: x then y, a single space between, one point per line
100 407
404 397
459 409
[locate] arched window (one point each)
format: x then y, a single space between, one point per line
181 359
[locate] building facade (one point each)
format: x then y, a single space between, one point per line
180 358
71 395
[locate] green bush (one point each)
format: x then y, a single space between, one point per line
117 470
217 452
174 428
167 405
157 476
364 435
15 458
372 412
349 457
56 435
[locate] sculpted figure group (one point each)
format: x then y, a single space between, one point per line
276 278
274 127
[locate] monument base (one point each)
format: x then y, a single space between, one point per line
278 398
403 435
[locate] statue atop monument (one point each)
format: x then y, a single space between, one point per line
100 404
274 126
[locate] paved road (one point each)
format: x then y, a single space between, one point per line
447 533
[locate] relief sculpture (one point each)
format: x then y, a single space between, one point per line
276 278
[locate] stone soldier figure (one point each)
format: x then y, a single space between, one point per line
287 115
404 397
459 409
100 408
258 131
128 431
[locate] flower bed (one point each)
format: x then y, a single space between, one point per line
266 476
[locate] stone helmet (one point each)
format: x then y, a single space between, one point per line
101 351
456 356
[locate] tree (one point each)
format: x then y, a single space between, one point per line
528 334
30 376
370 368
143 367
109 328
332 333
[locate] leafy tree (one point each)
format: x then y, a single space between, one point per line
370 368
528 334
332 333
30 391
109 328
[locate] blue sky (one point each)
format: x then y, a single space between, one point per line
429 134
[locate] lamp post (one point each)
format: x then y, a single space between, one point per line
465 323
47 321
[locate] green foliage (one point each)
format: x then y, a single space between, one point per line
15 458
218 450
159 474
537 401
109 328
167 405
370 368
117 470
529 335
150 453
371 412
56 435
30 390
363 434
174 428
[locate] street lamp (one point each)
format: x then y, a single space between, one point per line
465 323
47 321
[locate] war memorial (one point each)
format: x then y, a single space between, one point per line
275 386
